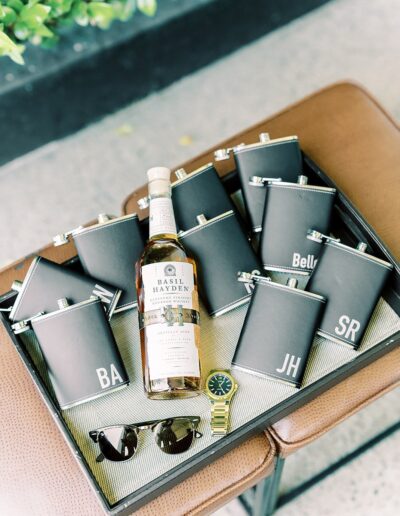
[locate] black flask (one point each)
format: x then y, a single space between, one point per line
80 352
46 281
278 330
352 282
108 251
221 249
257 163
291 209
200 191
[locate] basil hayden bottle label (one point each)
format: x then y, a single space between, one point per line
169 291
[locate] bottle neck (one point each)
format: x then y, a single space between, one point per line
161 217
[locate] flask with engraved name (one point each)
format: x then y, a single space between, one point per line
79 349
168 304
352 280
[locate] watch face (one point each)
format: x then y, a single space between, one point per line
219 384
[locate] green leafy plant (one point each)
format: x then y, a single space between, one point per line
37 21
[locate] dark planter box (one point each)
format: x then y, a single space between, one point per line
92 73
350 227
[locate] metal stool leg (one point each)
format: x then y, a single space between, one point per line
267 491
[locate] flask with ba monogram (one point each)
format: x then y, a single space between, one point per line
278 330
80 352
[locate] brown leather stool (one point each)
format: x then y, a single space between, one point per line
344 130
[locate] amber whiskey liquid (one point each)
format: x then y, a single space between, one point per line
167 302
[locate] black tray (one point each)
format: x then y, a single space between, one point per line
351 227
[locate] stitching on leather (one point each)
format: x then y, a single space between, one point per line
360 255
248 296
349 343
101 226
132 304
250 475
307 188
314 435
299 292
203 226
268 144
294 269
38 259
54 315
179 182
265 375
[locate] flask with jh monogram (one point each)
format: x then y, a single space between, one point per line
168 304
278 331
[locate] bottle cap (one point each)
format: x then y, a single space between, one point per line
162 173
159 180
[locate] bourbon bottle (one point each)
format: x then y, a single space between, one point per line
168 304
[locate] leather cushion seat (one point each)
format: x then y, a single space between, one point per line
337 404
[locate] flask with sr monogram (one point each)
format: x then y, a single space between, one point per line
352 281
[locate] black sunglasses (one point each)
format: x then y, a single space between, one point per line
173 435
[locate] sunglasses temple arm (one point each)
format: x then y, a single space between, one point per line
100 458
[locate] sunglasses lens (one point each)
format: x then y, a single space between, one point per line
118 443
174 435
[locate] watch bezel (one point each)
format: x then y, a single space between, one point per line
228 394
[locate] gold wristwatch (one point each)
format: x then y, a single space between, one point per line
220 387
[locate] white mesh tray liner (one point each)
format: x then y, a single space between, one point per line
255 395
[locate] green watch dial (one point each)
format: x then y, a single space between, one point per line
219 384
